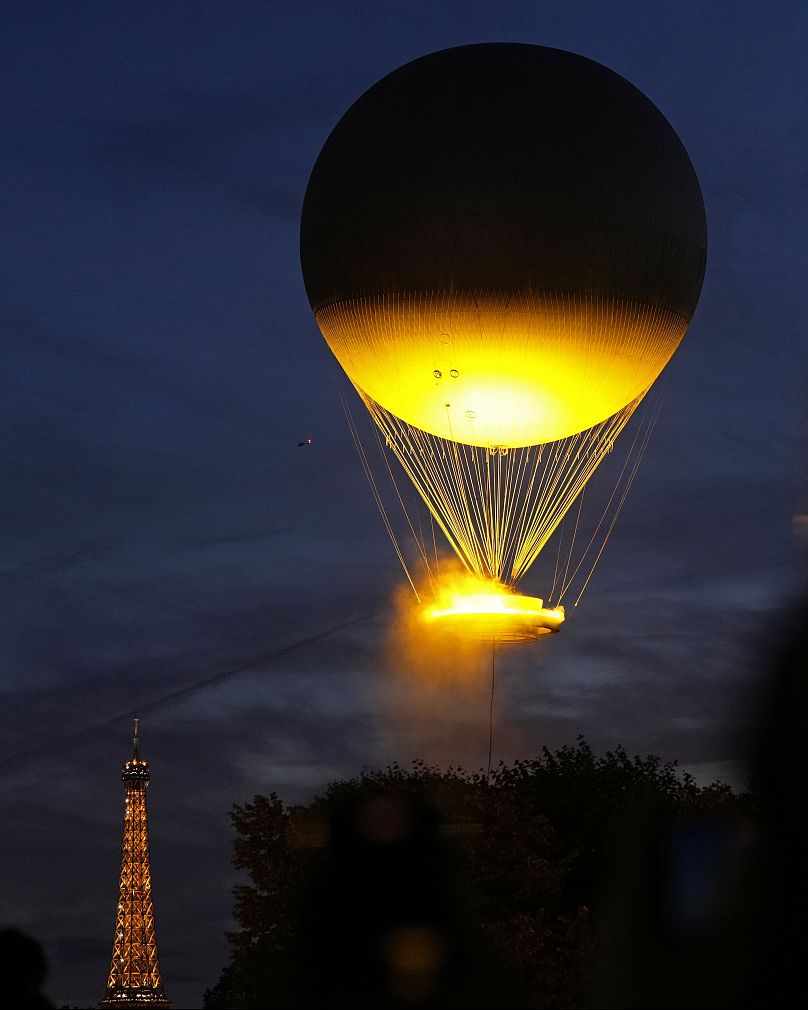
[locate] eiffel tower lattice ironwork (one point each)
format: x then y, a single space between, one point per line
134 972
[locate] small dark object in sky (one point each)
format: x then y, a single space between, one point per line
306 441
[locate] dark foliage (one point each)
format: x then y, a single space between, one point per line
529 852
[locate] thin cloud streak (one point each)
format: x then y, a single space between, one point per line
12 761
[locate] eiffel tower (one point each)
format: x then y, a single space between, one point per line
134 972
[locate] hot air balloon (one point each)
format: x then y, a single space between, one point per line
503 246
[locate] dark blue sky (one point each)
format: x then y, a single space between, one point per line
160 527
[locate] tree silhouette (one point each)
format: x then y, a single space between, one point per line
529 852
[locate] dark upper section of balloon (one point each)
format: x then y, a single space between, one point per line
507 167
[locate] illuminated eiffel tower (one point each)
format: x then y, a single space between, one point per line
134 972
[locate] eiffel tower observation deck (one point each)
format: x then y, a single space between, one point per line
134 973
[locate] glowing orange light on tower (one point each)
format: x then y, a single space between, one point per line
134 978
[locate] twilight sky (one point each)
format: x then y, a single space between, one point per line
168 551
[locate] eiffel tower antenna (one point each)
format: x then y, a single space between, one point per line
134 973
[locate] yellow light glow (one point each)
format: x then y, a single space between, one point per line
488 611
493 370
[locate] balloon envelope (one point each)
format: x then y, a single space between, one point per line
503 244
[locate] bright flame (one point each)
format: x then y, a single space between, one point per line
486 610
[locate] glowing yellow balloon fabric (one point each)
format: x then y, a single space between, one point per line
503 245
503 371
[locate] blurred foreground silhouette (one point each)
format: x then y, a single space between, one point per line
570 880
710 911
23 967
428 888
